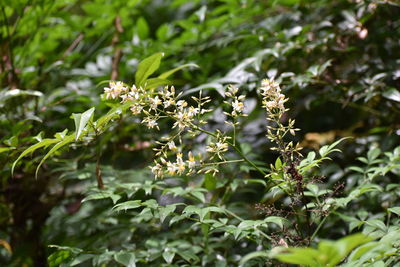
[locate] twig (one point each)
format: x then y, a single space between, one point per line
12 78
99 178
73 45
117 50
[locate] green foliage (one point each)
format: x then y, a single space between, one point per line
328 253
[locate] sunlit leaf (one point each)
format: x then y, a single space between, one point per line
147 67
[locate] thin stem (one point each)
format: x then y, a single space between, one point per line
12 78
234 132
222 162
319 227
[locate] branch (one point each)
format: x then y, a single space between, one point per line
117 51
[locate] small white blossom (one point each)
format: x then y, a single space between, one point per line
157 170
192 111
169 102
150 122
155 102
237 106
181 103
191 161
115 90
171 145
136 109
218 148
172 168
180 164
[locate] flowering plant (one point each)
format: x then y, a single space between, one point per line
296 206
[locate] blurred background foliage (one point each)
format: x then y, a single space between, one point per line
337 60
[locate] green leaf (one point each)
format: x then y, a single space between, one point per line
44 143
7 94
188 256
189 210
115 112
199 195
102 195
313 189
275 219
168 255
5 149
204 211
81 120
125 258
58 257
373 154
286 2
175 219
348 243
156 82
170 72
278 163
360 251
166 211
210 182
147 67
329 253
395 210
81 258
250 256
392 94
127 205
142 28
301 256
325 150
377 224
68 139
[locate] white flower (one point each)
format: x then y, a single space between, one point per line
218 148
130 96
157 170
136 109
193 111
171 145
154 102
115 90
183 119
191 161
172 168
180 164
237 106
150 122
221 147
169 102
181 103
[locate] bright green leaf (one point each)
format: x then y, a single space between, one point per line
147 67
81 120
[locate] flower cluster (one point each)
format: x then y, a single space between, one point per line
273 102
115 90
152 105
236 102
273 99
177 167
218 148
